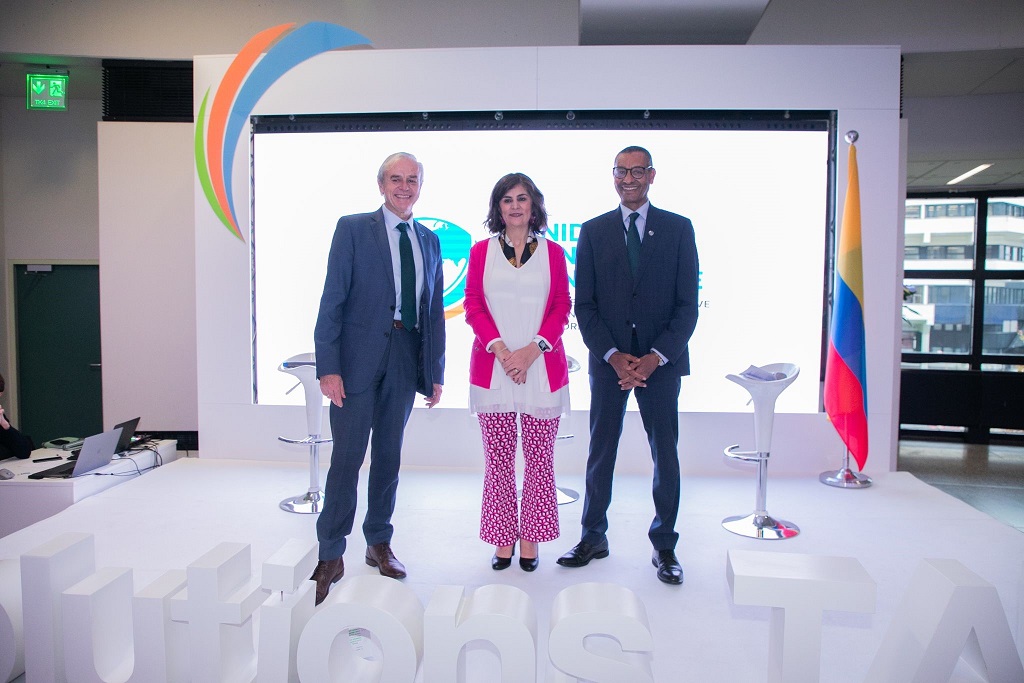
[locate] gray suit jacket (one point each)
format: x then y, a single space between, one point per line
357 308
661 302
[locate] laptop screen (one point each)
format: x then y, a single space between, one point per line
97 451
127 432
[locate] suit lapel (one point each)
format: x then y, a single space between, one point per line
617 238
378 230
427 253
648 241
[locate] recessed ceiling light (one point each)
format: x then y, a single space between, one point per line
965 176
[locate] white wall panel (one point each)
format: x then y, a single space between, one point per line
147 275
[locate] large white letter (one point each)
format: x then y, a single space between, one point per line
499 614
161 644
388 609
948 612
798 588
109 635
285 613
98 627
46 572
600 609
12 635
218 605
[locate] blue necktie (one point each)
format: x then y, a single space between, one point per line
633 244
408 277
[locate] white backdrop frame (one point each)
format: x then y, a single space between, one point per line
860 83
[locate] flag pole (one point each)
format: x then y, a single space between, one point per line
846 394
844 477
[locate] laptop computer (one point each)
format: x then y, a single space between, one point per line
97 451
127 427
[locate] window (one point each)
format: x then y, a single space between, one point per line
1004 231
939 234
963 309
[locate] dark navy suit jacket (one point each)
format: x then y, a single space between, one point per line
661 302
357 308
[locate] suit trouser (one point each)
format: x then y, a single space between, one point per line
658 403
383 408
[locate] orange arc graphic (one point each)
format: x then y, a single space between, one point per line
226 92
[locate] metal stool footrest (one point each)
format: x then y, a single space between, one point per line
310 440
746 456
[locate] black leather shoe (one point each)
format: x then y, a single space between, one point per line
381 557
669 569
583 553
326 574
528 564
499 563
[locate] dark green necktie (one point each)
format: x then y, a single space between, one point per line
633 244
408 277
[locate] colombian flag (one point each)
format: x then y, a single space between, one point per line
846 396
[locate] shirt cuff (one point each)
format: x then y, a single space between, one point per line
491 343
539 339
661 358
609 353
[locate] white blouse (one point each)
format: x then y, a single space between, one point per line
516 299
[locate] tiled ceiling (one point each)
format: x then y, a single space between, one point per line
983 55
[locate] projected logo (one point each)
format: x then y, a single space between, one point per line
455 244
259 64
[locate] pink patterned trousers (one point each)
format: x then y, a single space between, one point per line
500 520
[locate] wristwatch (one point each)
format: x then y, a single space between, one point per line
543 345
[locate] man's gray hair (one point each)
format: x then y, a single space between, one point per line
392 159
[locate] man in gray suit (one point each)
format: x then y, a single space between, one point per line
636 305
379 339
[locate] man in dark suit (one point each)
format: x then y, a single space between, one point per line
636 305
379 339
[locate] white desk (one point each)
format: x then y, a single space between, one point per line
25 501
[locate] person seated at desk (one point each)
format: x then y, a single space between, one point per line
13 444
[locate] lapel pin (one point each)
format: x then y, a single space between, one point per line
650 233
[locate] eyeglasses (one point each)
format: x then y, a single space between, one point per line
637 172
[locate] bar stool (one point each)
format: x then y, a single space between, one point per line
303 366
764 384
566 495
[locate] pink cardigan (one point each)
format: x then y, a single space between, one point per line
556 315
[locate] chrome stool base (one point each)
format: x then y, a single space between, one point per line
566 496
308 504
845 478
761 526
311 502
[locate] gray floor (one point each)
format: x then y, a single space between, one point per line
987 477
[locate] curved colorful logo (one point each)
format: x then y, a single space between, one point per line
455 245
246 80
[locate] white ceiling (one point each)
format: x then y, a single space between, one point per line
963 71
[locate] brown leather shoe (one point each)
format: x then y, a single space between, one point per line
326 574
380 556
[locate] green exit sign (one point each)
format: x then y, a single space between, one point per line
47 91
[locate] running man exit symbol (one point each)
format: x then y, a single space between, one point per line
47 91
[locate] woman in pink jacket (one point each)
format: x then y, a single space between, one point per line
517 302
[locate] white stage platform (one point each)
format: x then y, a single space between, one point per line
179 512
